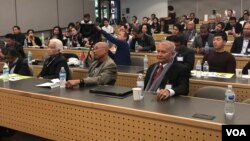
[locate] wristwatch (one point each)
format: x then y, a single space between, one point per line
81 84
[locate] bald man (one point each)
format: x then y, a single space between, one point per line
103 71
165 77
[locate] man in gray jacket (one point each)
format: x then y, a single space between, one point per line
103 71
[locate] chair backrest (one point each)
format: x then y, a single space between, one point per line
211 92
136 61
246 101
70 55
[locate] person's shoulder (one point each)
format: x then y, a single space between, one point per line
179 67
111 62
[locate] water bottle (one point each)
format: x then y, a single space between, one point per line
145 63
25 43
206 48
136 46
229 109
82 60
68 43
6 73
29 57
62 76
42 38
140 81
205 69
198 69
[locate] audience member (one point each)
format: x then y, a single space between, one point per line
122 54
184 55
86 19
57 34
11 42
52 65
145 42
76 38
108 28
165 77
233 27
194 19
19 37
102 71
190 31
220 60
241 44
202 39
31 39
17 64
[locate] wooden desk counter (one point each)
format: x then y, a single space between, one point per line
65 114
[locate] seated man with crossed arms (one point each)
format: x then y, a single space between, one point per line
165 77
103 71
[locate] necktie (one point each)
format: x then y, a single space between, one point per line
157 73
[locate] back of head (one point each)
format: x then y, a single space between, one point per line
178 39
10 36
87 15
12 52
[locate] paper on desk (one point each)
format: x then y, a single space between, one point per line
220 75
49 85
215 74
15 77
245 76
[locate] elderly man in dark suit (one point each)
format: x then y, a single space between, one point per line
165 77
241 44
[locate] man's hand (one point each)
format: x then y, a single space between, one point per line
71 83
163 94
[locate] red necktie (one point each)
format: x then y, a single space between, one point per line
157 73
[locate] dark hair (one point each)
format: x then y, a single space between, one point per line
204 27
245 24
145 18
179 26
153 15
246 11
246 14
12 52
222 25
105 19
230 10
135 17
232 18
60 35
192 13
87 15
71 24
125 26
178 39
170 8
223 36
30 30
10 36
16 27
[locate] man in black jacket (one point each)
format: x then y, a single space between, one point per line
184 55
241 44
145 42
166 77
17 64
11 43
